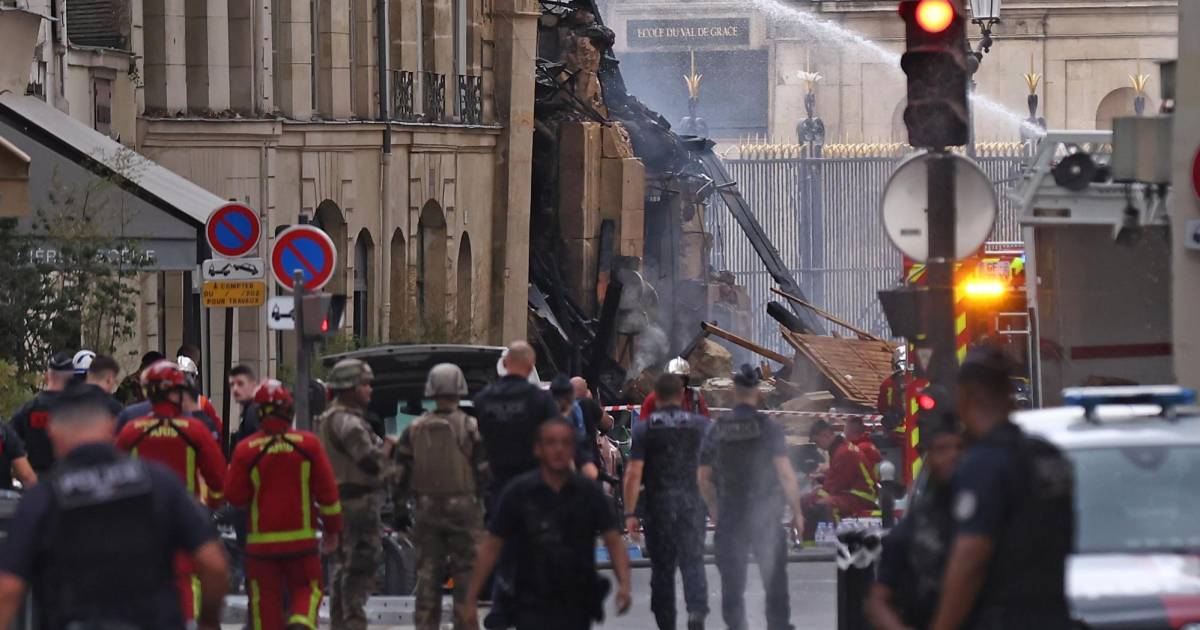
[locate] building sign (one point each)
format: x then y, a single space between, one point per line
691 33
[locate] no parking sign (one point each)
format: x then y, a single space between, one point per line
306 249
233 230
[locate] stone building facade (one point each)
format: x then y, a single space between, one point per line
401 127
751 54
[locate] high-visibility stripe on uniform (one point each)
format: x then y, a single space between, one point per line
305 498
195 596
314 602
255 605
331 510
191 470
281 537
257 482
868 495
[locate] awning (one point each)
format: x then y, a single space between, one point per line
163 211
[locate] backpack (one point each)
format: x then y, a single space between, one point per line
442 446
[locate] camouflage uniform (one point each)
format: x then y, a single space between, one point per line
443 469
360 464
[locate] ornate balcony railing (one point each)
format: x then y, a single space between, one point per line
402 95
435 97
470 100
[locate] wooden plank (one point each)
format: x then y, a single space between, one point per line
862 334
745 343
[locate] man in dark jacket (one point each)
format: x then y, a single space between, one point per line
31 419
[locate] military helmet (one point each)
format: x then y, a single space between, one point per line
348 374
445 379
679 367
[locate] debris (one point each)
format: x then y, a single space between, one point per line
710 360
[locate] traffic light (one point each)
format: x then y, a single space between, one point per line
322 315
935 407
935 60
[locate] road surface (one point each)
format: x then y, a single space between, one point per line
813 588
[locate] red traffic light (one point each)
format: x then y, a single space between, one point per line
935 16
926 402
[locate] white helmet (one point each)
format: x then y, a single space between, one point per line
188 365
82 361
679 367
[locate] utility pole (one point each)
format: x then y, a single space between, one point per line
939 318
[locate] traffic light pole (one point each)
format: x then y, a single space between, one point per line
300 389
939 321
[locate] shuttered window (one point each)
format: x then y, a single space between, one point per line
95 23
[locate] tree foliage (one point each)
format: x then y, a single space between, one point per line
69 278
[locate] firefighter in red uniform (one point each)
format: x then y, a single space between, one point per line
693 400
183 444
848 488
857 434
284 476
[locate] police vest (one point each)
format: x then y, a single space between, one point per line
442 445
506 420
1027 573
672 454
107 552
933 527
744 472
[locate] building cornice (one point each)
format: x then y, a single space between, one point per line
335 135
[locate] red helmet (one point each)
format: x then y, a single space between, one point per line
163 377
273 399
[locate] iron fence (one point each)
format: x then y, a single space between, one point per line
470 100
402 95
822 213
435 97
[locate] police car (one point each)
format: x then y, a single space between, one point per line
1136 452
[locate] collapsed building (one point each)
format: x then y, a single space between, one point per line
620 271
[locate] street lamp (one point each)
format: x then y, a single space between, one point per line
985 13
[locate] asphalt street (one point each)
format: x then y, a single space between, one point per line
813 588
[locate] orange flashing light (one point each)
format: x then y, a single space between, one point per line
935 16
984 288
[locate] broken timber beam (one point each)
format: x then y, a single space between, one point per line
862 334
712 329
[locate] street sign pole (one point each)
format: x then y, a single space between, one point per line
300 390
940 333
225 394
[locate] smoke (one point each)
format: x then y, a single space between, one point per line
649 348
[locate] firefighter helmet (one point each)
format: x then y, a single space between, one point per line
274 400
82 361
446 379
188 365
162 378
349 373
679 367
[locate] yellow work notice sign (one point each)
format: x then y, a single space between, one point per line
234 293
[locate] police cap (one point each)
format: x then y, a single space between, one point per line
446 379
348 374
561 385
61 362
747 376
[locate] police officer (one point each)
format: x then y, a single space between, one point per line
362 465
1013 512
550 519
444 470
281 473
96 540
909 579
665 453
746 479
30 420
510 411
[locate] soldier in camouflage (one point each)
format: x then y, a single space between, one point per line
362 464
444 470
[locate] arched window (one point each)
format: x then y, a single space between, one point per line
464 317
398 288
431 266
329 218
363 258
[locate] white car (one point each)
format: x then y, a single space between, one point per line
1136 452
